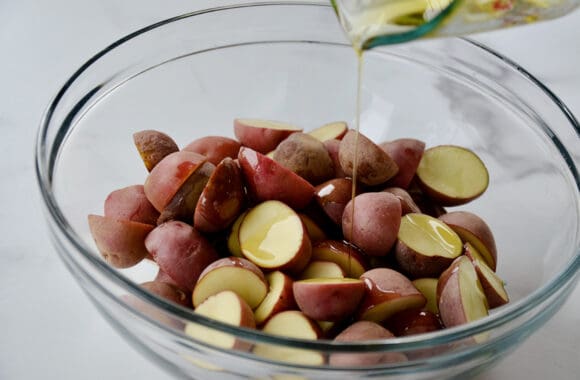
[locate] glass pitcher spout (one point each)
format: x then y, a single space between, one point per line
371 23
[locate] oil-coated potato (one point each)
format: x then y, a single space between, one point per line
374 223
267 180
222 198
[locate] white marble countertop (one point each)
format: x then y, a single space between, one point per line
48 328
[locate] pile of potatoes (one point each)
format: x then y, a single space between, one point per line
268 231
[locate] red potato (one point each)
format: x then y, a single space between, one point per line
168 291
291 324
335 130
373 165
222 198
491 283
388 292
374 223
153 146
428 287
407 154
305 156
262 135
214 148
183 204
472 229
120 242
169 175
322 269
181 252
426 246
267 180
460 296
226 307
315 233
233 237
231 273
328 299
408 205
413 322
332 146
280 297
452 175
332 196
425 204
364 331
273 237
130 203
347 256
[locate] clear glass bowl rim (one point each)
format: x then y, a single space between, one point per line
44 165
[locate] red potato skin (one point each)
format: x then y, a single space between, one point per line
267 180
408 205
169 292
181 252
120 242
468 225
182 205
131 203
374 165
361 331
215 148
233 261
221 200
332 196
305 156
407 154
413 322
285 300
169 175
417 265
153 146
328 301
384 285
425 204
374 225
263 140
494 299
332 147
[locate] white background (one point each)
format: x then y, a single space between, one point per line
48 329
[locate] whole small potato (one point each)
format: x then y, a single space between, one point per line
305 156
215 148
374 165
374 224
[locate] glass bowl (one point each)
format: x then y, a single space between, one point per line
191 75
